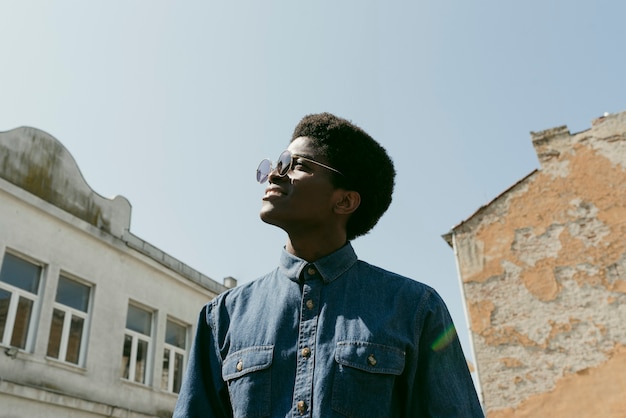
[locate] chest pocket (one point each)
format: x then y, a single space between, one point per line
247 373
364 378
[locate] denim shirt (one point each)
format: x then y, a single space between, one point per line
333 338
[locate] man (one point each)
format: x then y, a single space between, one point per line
325 334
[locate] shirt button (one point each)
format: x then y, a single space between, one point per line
371 360
240 366
310 304
311 271
301 405
306 352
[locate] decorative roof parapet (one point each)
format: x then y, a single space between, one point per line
38 163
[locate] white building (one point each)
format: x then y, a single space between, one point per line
94 321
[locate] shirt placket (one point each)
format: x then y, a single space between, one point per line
303 388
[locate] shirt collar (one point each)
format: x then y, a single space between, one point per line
329 267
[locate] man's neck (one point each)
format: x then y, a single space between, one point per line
314 248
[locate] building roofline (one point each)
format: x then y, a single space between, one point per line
448 235
539 139
38 164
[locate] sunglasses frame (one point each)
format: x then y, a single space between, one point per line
263 177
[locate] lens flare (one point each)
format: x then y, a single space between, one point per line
444 339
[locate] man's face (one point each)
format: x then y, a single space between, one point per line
305 197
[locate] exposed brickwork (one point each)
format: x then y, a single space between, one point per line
543 268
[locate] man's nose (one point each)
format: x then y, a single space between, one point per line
273 176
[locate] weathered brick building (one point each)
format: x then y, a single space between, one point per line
543 271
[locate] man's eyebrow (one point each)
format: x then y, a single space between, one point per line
303 156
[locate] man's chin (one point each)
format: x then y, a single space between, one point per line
266 217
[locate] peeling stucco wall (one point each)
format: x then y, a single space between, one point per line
40 164
543 268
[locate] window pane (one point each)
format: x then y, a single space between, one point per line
20 273
73 294
166 369
22 320
56 329
74 340
178 372
139 320
128 343
5 299
140 365
175 334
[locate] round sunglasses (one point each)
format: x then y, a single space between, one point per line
283 165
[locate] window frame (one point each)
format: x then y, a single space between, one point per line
16 295
173 350
69 313
137 336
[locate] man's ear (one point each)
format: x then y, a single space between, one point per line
349 202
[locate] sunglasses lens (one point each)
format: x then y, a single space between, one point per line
263 171
284 162
265 167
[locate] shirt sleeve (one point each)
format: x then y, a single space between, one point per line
444 385
203 392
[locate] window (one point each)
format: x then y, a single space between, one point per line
69 321
173 356
137 341
19 289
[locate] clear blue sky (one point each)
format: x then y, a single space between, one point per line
172 104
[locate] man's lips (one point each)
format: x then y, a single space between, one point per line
273 192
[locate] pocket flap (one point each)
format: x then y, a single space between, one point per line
370 357
246 361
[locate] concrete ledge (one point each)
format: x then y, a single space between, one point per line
57 404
